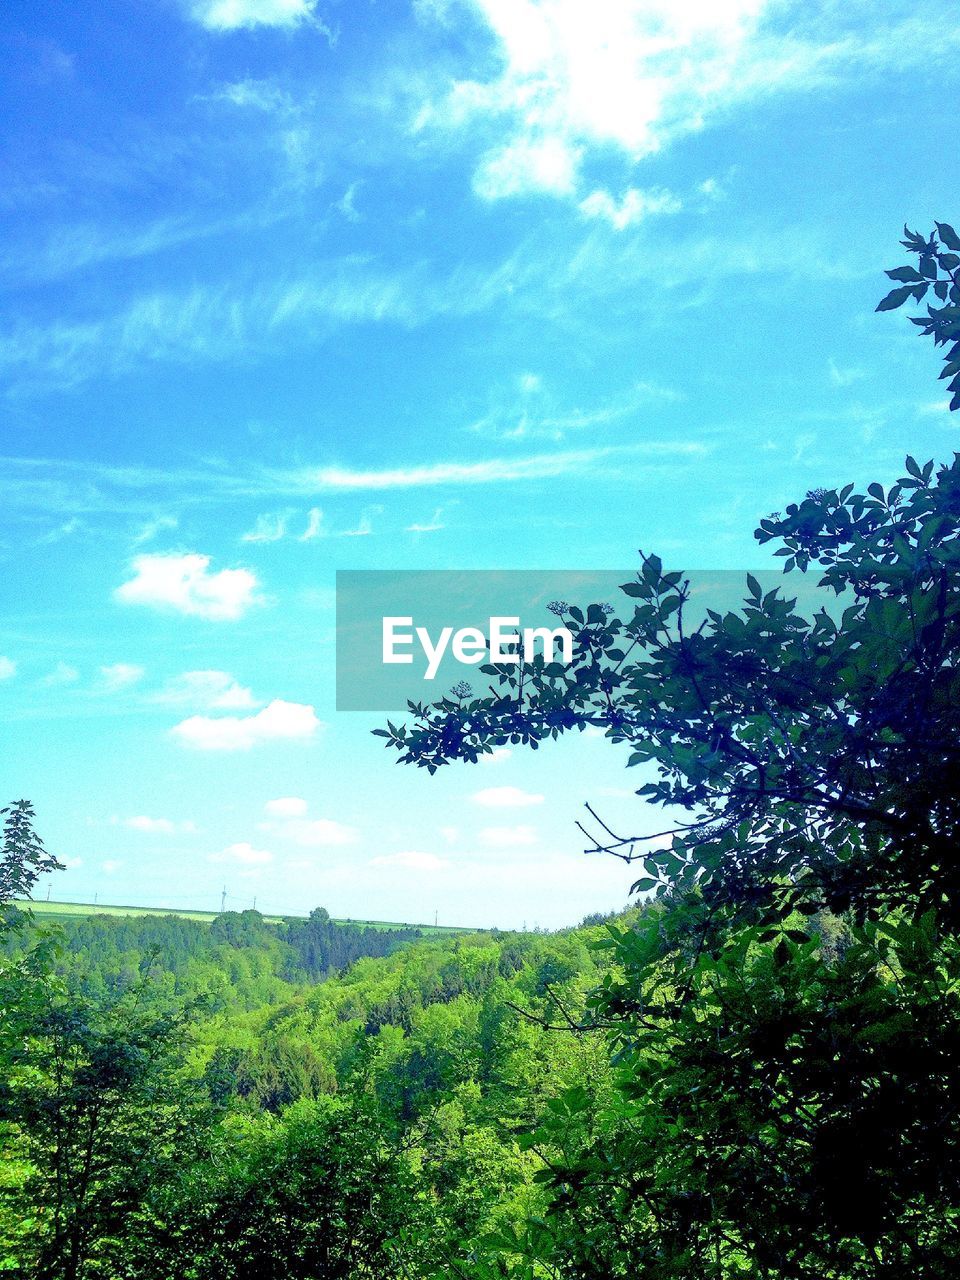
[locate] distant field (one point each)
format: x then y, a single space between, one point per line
104 909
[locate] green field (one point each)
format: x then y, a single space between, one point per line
54 909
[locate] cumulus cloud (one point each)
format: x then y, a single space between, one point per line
508 837
635 75
278 721
208 688
497 756
120 675
185 584
506 798
8 668
411 860
286 807
232 15
242 854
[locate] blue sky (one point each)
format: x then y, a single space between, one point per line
289 287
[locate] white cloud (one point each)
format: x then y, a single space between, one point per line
268 528
120 675
411 860
111 865
72 862
933 407
157 826
364 525
433 525
493 471
509 837
230 15
844 377
184 583
314 527
347 205
217 690
8 668
278 721
150 530
632 207
633 75
320 833
242 853
497 756
534 412
527 166
286 807
62 673
506 798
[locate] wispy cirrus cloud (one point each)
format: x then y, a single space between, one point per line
58 484
530 410
120 675
631 208
489 471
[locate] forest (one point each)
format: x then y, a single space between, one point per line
753 1071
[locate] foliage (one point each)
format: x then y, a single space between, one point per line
23 858
752 1074
938 268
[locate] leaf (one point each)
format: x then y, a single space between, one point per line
895 298
947 235
904 274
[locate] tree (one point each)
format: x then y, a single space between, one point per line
784 1014
23 858
94 1107
817 757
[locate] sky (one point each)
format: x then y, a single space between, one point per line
290 286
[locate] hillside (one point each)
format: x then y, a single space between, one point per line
59 910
